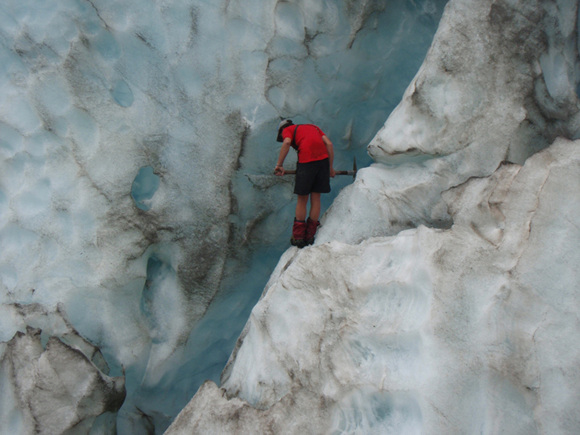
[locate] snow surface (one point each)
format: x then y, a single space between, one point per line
134 139
441 295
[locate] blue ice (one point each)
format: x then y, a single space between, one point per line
122 94
144 187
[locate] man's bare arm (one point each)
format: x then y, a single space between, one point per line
279 170
330 150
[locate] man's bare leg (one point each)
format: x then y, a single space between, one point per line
301 205
314 206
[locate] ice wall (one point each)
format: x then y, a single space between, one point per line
441 295
134 139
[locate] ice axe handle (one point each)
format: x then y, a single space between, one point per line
353 172
293 172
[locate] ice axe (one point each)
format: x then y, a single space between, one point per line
353 172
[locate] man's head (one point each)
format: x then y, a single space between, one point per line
281 127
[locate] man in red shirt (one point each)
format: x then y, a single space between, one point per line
313 172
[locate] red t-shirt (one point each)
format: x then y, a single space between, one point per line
311 147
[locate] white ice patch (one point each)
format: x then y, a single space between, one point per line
289 21
377 412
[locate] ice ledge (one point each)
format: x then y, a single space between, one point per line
499 76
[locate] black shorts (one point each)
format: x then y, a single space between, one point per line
312 177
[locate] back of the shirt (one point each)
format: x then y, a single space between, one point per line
309 141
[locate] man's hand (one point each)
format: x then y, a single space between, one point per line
332 172
279 170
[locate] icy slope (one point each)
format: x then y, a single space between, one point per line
466 330
442 293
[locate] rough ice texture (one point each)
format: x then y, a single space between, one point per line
470 329
53 379
482 97
127 130
442 293
503 71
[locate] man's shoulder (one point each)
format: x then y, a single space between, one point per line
289 131
315 128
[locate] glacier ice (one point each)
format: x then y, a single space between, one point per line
53 380
144 186
441 295
478 100
470 329
134 139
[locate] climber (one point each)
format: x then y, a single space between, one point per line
313 172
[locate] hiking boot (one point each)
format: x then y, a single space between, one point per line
311 227
298 234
